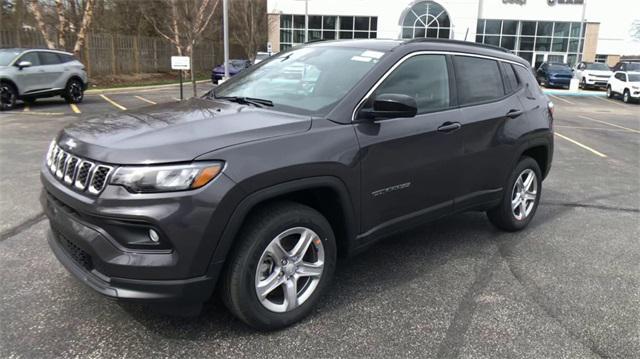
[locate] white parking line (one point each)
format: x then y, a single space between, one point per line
591 128
113 102
561 99
607 100
581 145
146 100
610 124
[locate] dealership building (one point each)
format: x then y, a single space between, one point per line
536 30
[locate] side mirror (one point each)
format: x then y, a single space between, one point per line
23 64
390 105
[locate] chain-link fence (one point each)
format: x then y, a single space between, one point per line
111 54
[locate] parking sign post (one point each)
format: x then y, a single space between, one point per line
180 63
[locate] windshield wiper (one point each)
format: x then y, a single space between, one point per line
258 102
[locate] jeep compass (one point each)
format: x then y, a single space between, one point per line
254 190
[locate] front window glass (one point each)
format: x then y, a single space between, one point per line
32 57
308 80
7 56
423 77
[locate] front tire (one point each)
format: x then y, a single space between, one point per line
521 197
609 92
283 263
74 91
8 96
626 97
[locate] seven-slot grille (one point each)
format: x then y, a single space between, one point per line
78 173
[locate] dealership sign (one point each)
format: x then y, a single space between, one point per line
576 2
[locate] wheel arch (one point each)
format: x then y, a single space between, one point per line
540 152
11 83
326 194
74 77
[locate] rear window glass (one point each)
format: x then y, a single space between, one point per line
49 58
478 80
526 77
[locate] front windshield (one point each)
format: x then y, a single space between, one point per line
559 68
634 77
633 66
308 80
6 56
597 66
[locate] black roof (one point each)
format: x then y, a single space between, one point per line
427 44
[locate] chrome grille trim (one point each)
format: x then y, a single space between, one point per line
79 174
99 178
80 183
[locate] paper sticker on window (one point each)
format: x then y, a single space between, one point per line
372 54
361 59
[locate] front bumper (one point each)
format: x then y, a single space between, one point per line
195 290
97 239
596 82
558 81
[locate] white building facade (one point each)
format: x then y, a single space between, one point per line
537 30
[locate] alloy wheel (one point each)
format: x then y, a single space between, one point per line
7 97
75 91
625 97
289 269
524 194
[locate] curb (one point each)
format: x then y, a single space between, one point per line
573 93
134 88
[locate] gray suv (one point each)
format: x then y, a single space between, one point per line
255 189
26 74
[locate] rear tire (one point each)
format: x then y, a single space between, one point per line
266 261
8 96
512 215
74 91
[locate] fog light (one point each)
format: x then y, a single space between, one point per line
154 235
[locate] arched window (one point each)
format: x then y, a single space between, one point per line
426 19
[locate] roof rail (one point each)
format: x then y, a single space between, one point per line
459 42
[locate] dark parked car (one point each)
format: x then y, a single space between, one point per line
235 66
258 187
552 74
627 66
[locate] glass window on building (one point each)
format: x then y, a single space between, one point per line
426 19
325 27
534 41
601 58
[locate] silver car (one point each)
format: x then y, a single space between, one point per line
27 74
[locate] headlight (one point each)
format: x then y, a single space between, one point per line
166 178
635 87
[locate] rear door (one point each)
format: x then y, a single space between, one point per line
488 104
409 164
53 70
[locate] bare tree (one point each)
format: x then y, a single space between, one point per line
249 19
189 18
63 22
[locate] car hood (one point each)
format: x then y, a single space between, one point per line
174 132
598 72
560 72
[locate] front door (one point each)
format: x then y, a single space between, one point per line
409 165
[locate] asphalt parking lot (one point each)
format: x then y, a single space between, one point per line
567 286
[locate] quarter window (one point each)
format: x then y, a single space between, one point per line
478 80
509 78
423 77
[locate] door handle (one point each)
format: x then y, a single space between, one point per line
449 127
514 113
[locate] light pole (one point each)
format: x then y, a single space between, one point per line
582 28
225 20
